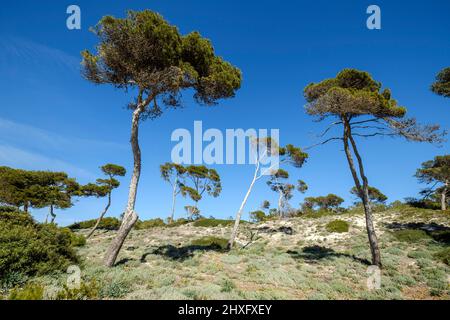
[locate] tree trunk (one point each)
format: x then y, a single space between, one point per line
130 217
363 192
52 214
101 217
239 213
280 203
174 195
25 207
444 197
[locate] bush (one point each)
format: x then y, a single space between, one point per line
179 222
148 224
29 292
258 216
444 256
86 291
30 248
212 242
338 226
411 235
212 223
109 223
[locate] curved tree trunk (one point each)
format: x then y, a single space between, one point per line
239 213
363 191
101 217
52 213
280 203
130 217
444 197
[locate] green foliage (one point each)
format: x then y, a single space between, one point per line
442 84
31 291
443 255
86 291
338 226
149 224
109 223
227 285
210 241
37 189
329 202
258 216
115 290
30 248
375 195
178 222
146 52
212 223
411 235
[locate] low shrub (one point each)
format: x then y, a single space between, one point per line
86 291
179 222
29 248
148 224
213 242
411 235
108 223
258 216
338 226
30 291
212 223
443 255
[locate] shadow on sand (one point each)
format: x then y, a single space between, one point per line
314 254
180 253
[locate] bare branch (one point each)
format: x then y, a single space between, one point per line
323 142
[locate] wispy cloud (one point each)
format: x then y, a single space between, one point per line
18 133
29 147
32 53
16 157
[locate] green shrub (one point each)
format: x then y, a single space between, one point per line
338 226
258 216
115 290
30 248
227 285
148 224
108 223
29 292
443 255
179 222
411 235
86 291
212 223
210 241
12 280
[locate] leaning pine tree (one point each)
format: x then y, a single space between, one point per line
144 54
362 109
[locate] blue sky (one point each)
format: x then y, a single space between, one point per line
51 118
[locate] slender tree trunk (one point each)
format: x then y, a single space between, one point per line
444 196
101 217
363 191
280 203
239 213
174 196
25 207
130 217
52 213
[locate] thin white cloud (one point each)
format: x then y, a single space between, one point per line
16 157
18 133
26 51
